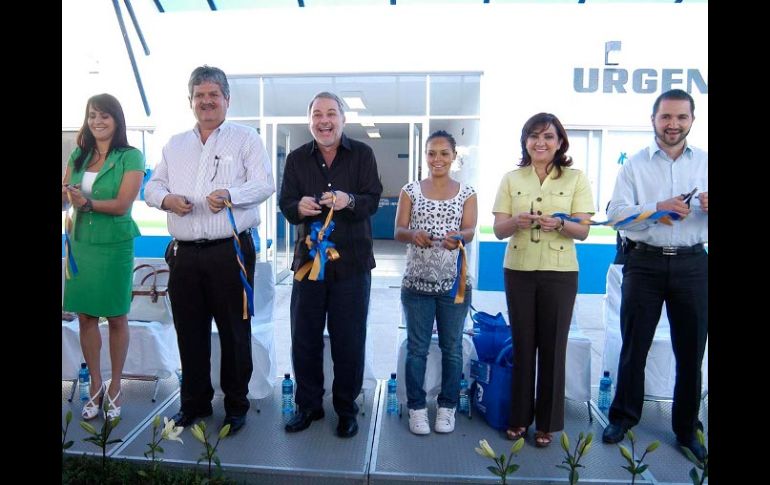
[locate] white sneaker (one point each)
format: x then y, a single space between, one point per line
445 420
418 421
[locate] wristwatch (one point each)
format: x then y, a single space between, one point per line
351 202
561 227
88 206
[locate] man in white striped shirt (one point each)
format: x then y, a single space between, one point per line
200 169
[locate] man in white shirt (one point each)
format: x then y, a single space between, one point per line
665 263
216 161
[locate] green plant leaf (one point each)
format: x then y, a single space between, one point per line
630 468
574 476
564 467
698 434
68 417
114 441
494 470
690 456
641 469
694 476
216 460
67 445
511 469
160 449
88 427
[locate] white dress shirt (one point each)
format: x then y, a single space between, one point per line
651 176
232 158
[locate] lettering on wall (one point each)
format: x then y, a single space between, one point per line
642 80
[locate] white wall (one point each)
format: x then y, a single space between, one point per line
394 171
527 53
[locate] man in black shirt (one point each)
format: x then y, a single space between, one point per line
331 170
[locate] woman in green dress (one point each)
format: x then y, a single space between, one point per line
103 177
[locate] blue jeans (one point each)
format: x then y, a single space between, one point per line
420 311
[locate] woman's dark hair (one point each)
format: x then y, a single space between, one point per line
442 134
106 103
541 122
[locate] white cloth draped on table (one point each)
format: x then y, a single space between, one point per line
152 350
432 384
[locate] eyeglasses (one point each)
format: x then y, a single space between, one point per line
534 231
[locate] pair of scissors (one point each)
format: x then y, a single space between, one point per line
688 197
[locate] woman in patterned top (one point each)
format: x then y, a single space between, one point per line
431 214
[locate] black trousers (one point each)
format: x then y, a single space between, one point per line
342 306
204 283
540 305
681 281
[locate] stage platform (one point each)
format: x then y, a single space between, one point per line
383 451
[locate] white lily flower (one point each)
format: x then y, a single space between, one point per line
170 431
485 450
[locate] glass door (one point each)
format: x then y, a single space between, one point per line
416 151
283 136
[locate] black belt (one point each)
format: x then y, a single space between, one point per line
202 243
667 250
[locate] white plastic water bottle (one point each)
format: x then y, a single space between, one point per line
464 405
84 382
392 398
605 393
287 395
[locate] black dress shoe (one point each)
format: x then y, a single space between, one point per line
235 422
185 419
347 427
613 433
302 419
694 445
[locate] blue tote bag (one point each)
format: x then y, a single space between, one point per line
493 384
490 333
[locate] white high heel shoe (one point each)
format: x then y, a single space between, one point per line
91 407
111 410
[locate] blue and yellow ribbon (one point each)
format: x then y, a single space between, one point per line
458 289
321 249
248 291
664 217
71 268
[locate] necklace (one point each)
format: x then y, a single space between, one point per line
96 160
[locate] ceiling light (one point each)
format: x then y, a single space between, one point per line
354 101
368 124
373 133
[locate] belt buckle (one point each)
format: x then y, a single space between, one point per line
669 250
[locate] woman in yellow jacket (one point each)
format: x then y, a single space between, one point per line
103 177
540 270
